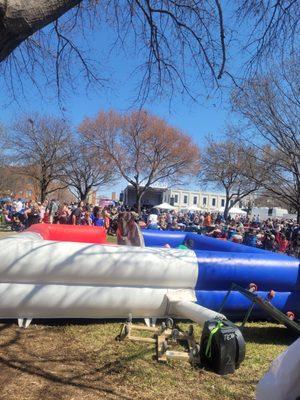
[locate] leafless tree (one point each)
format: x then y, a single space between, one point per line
143 148
10 179
37 145
272 29
164 33
86 169
5 179
224 166
185 44
271 107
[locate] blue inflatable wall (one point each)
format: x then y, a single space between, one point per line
221 263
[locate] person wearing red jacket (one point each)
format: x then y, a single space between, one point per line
282 242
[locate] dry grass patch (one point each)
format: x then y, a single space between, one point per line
83 361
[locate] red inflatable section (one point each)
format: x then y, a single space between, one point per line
70 233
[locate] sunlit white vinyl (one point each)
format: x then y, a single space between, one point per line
26 259
67 301
192 311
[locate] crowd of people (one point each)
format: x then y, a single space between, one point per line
21 215
272 234
278 235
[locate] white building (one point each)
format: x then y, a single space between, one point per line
271 212
180 198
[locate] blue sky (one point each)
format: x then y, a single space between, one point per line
208 116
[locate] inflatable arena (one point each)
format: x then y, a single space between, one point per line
63 271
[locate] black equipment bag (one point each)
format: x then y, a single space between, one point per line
222 346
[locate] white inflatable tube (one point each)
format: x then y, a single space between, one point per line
49 279
193 311
67 301
43 261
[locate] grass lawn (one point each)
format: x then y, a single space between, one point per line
83 361
72 360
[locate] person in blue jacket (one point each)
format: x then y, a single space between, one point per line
96 217
250 238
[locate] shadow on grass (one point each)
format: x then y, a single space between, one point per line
275 334
88 379
82 370
269 335
102 369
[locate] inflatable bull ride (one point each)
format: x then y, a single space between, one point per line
63 271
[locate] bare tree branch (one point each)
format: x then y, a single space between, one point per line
86 169
143 148
271 106
37 146
225 165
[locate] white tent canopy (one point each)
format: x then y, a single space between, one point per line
165 206
192 208
233 210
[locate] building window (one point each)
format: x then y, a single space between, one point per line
223 203
213 202
176 198
195 200
185 199
231 203
204 200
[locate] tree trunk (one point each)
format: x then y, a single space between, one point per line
298 215
43 186
83 196
227 200
139 195
19 19
139 204
226 209
43 193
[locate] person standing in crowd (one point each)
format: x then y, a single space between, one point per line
19 205
106 220
53 209
86 219
152 221
268 242
207 220
113 222
96 217
170 216
43 208
76 215
128 232
32 214
63 214
282 242
250 238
